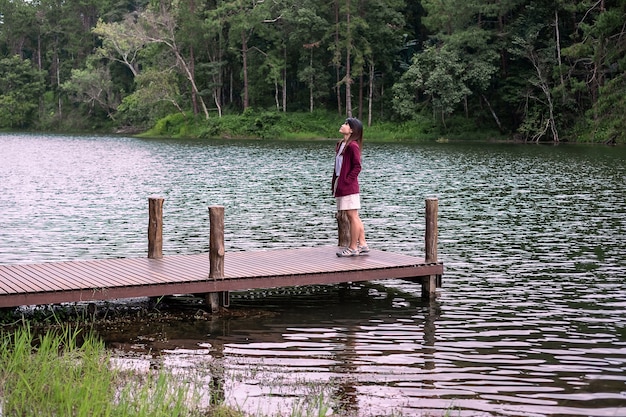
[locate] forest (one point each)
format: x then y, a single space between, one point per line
531 70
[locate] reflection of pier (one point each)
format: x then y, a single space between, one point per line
339 340
213 273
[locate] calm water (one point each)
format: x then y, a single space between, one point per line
531 320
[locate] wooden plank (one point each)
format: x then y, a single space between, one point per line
8 283
54 276
23 278
93 274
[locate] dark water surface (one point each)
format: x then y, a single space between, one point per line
531 320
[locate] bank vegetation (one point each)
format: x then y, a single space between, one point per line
65 371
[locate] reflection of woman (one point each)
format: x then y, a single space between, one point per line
345 184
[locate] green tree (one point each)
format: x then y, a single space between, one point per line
242 22
17 20
461 62
439 75
21 86
215 28
596 66
93 87
159 26
381 47
156 95
307 28
121 41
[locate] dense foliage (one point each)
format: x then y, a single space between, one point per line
533 69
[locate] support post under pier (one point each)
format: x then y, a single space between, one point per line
429 282
155 227
216 256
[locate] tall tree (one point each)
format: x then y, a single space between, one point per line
160 27
93 87
306 29
122 41
348 52
215 28
597 64
440 75
274 36
461 61
17 20
242 21
534 51
20 86
379 45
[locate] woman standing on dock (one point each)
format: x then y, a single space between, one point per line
345 184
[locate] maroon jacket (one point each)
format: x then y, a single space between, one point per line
348 180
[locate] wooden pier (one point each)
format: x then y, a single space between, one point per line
213 274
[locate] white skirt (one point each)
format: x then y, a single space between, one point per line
349 202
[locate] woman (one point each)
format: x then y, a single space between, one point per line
345 184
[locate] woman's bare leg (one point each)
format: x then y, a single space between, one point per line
357 231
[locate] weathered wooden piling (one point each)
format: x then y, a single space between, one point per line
432 230
343 228
216 255
155 227
429 282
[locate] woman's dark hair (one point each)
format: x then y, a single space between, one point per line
357 130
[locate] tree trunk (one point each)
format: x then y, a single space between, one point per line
557 35
348 64
244 56
311 83
192 72
285 80
58 75
361 96
493 113
276 95
370 95
218 78
545 88
190 77
337 51
216 98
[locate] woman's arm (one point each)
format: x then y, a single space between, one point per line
352 157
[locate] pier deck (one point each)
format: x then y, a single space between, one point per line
105 279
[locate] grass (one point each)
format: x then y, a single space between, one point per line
67 372
258 124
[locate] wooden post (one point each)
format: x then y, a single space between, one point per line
432 206
343 228
429 282
216 252
155 227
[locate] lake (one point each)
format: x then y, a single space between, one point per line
531 320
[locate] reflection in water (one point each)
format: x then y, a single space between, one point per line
363 346
530 321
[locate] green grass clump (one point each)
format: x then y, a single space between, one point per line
55 378
66 373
